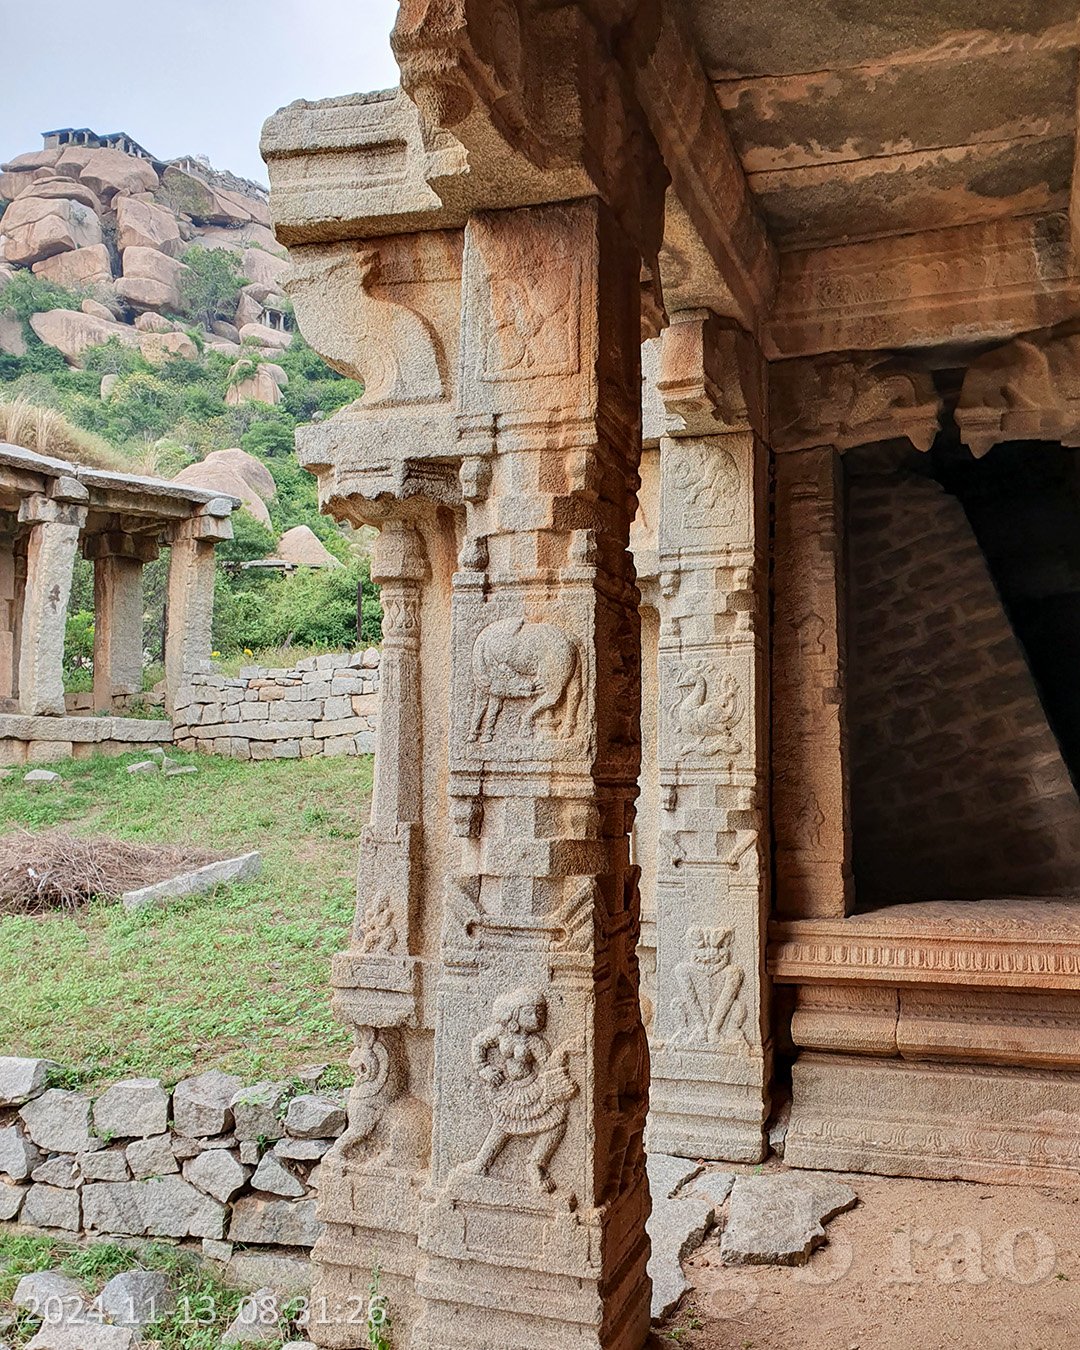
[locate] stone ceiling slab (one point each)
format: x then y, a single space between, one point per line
855 121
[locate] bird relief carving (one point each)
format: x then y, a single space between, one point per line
527 1085
706 1006
534 664
706 710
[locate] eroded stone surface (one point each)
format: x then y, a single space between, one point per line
59 1121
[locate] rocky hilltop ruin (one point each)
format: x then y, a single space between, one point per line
101 216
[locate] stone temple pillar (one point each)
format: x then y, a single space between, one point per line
118 560
533 1232
710 1034
190 610
55 523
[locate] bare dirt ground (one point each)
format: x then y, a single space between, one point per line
917 1265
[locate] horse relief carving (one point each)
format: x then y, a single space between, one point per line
706 710
707 482
537 665
527 1085
706 1006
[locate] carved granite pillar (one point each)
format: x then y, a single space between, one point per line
373 1178
533 1234
810 789
118 560
710 1034
55 523
190 611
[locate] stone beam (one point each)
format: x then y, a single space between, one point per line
968 284
55 522
717 253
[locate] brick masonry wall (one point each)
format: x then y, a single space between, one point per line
958 788
326 705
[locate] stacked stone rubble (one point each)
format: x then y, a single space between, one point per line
214 1159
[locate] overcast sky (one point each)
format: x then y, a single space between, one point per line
183 76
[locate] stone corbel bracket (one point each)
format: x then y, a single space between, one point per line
211 523
1027 390
851 399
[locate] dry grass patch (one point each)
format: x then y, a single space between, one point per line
55 870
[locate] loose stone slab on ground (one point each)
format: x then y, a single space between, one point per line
779 1220
686 1205
257 1320
89 1336
135 1298
50 1295
202 879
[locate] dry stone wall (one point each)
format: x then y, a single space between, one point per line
325 705
214 1160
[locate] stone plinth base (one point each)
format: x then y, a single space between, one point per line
939 1121
40 740
707 1105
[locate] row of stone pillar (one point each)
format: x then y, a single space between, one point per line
37 563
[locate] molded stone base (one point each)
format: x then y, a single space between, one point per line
939 1121
693 1115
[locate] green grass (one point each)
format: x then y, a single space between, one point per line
237 979
205 1306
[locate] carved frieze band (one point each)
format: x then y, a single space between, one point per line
1052 962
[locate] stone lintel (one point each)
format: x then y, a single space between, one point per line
120 544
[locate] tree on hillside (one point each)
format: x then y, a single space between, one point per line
209 289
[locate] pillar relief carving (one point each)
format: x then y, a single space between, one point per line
709 1035
810 792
